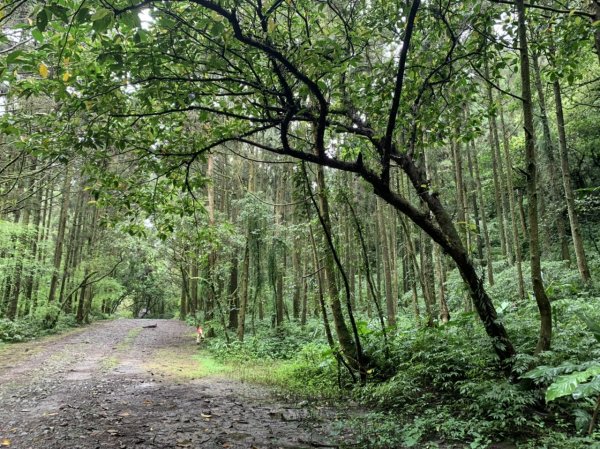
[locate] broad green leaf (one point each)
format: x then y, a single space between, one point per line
588 389
565 385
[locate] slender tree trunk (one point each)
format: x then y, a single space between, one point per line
304 313
193 277
37 219
418 272
498 176
511 206
389 297
234 298
212 256
554 185
245 281
296 263
441 278
476 208
582 265
522 214
486 234
278 250
595 7
543 303
461 204
183 305
60 237
342 331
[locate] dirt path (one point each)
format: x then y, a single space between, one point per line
102 387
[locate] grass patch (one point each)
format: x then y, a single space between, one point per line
129 338
109 363
287 376
183 365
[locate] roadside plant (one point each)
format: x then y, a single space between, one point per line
581 381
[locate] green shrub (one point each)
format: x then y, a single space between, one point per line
15 331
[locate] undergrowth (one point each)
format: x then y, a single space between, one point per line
442 386
28 328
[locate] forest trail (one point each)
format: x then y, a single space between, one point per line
114 385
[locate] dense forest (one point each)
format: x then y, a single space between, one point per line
394 200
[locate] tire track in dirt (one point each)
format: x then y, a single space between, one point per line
102 388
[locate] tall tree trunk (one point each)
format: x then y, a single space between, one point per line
387 273
212 256
544 307
498 175
245 283
278 250
234 295
194 274
477 216
511 206
37 219
441 278
522 214
183 305
548 146
595 7
582 265
60 237
348 345
486 234
461 204
296 268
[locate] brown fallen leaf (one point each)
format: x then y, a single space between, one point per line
5 442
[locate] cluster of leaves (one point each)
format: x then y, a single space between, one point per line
447 383
266 343
581 381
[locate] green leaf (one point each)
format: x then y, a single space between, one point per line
60 11
41 21
100 14
588 389
84 15
131 19
37 35
593 326
102 24
16 56
565 385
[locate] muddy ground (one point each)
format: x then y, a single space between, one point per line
104 387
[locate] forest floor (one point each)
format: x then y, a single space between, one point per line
116 384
